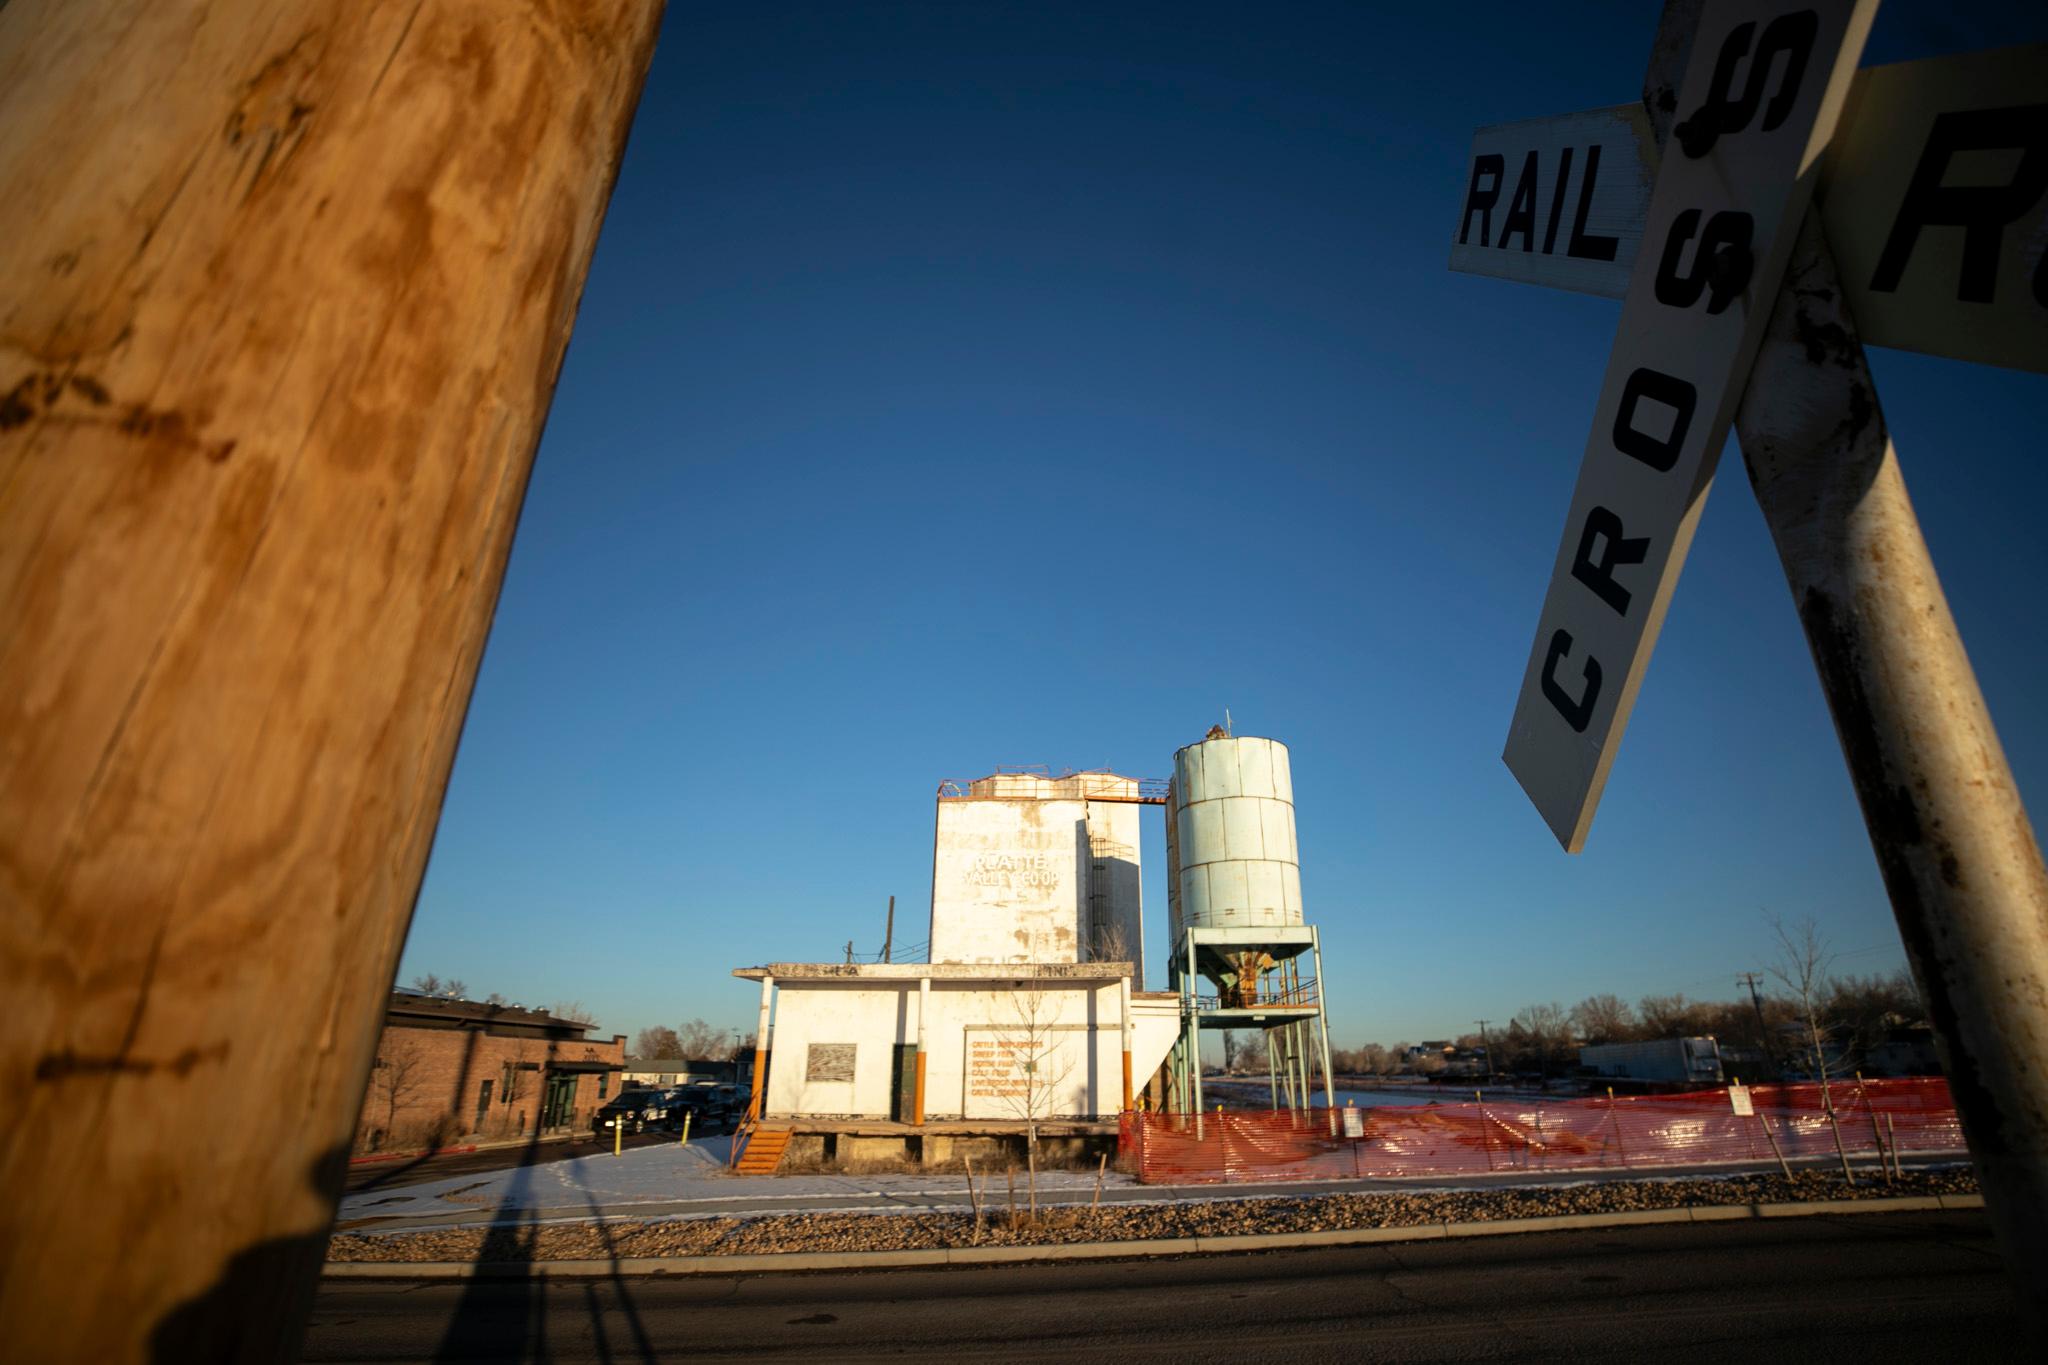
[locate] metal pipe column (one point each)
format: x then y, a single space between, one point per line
1194 1026
1315 939
1272 1071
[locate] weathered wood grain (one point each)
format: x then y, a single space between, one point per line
284 289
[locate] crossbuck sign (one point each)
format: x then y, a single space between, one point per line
1760 99
1934 184
1927 232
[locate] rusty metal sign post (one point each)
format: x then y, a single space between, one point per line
1958 855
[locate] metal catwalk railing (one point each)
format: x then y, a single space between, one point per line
1298 994
1090 786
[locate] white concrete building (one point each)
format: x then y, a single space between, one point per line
912 1042
1030 1008
1031 868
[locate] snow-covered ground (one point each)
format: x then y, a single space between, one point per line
672 1176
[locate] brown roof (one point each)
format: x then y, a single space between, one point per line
441 1007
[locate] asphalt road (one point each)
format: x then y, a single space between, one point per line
1869 1288
391 1175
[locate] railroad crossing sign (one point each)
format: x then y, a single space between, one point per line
1934 196
1758 104
1931 190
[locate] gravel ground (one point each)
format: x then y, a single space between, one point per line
1122 1222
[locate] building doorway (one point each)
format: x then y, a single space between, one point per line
558 1107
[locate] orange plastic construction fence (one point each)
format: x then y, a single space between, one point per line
1636 1132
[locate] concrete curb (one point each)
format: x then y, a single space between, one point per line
1094 1251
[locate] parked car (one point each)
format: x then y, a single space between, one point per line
708 1109
636 1111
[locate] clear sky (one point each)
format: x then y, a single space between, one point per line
965 384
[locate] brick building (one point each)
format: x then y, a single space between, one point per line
452 1069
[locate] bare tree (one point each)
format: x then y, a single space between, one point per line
1864 1010
1666 1016
656 1042
428 984
1040 1068
1604 1019
516 1082
1110 942
1251 1050
1802 969
396 1076
574 1011
700 1040
1545 1031
494 999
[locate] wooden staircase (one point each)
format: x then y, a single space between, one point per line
758 1149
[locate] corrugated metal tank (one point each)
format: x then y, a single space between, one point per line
1231 860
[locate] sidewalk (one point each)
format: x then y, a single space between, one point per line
673 1181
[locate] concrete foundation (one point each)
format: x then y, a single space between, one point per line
947 1151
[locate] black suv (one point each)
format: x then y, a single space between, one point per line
636 1111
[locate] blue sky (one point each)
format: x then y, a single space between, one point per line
965 384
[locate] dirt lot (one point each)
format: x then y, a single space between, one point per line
1124 1222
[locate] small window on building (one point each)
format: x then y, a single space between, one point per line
603 1079
829 1062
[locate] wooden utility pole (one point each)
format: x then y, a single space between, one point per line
1763 1027
285 289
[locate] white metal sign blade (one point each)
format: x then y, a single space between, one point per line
1934 198
1558 201
1935 201
1763 90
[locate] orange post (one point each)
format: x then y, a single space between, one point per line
924 1012
1123 997
757 1101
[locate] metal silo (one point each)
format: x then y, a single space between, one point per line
1233 892
1231 860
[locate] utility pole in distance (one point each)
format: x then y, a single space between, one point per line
1763 1028
285 291
1487 1043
